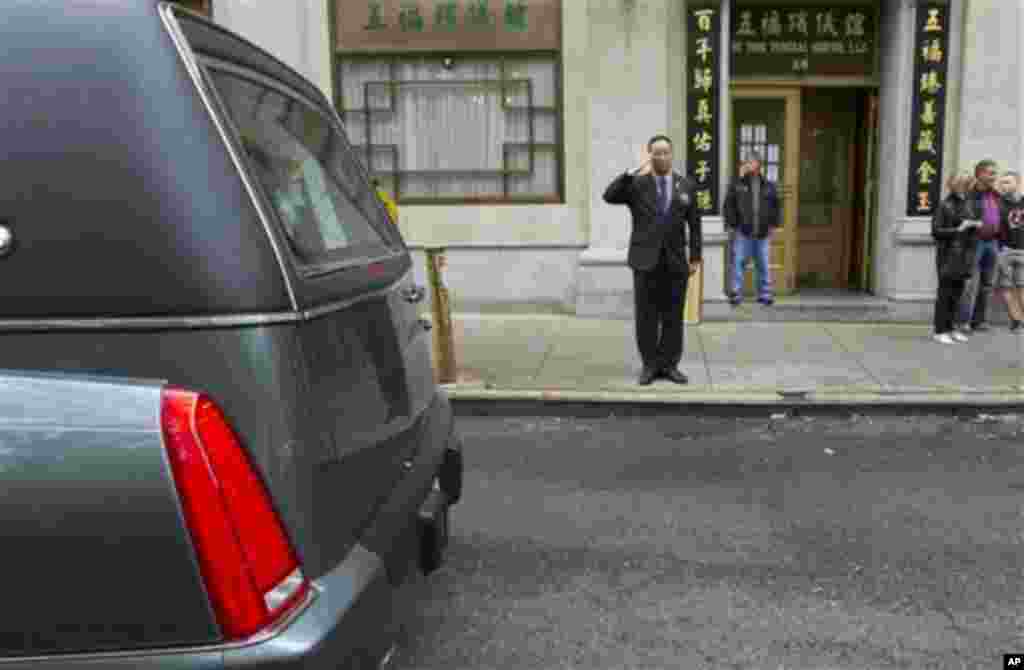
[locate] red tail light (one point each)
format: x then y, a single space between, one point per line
250 569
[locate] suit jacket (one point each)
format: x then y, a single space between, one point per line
739 206
650 235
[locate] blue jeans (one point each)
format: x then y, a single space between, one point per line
743 248
976 297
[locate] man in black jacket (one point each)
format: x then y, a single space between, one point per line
752 213
663 205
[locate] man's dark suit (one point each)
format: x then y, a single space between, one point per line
657 255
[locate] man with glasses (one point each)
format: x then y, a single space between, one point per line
663 207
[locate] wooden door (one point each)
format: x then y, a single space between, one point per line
766 120
828 193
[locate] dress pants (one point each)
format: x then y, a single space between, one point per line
947 300
659 297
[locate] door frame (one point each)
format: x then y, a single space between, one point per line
790 93
871 169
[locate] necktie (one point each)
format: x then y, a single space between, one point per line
663 194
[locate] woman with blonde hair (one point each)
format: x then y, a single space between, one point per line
954 228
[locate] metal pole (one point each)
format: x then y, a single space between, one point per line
444 346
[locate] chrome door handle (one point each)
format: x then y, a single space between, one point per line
413 294
425 324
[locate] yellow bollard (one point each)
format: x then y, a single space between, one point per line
389 204
445 368
693 310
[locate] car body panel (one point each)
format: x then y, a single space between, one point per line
80 558
77 156
257 376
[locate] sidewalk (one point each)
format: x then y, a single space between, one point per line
546 357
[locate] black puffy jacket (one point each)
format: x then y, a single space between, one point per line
955 251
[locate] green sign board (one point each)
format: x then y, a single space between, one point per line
804 41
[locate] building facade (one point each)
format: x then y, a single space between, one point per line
497 125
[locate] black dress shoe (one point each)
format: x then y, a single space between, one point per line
675 376
647 377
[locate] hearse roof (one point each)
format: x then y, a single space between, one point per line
122 198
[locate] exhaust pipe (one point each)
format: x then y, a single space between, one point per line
433 529
386 661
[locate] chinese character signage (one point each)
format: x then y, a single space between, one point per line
447 25
703 88
931 47
804 41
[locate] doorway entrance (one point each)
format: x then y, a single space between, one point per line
818 146
766 121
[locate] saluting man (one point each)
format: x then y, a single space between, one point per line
663 206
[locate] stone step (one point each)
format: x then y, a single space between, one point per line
794 308
838 307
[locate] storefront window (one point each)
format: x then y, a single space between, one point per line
457 128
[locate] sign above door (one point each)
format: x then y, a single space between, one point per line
790 41
377 26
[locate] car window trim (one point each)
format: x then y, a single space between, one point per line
304 269
190 60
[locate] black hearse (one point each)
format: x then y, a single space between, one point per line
178 205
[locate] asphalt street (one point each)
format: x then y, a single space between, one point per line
757 542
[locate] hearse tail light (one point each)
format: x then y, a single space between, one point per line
249 566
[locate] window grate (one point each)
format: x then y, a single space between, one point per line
463 129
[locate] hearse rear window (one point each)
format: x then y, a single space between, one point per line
308 172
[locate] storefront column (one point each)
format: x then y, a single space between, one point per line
985 103
715 237
297 32
992 93
908 284
637 77
1020 89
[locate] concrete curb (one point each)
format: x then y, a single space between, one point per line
884 397
477 400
